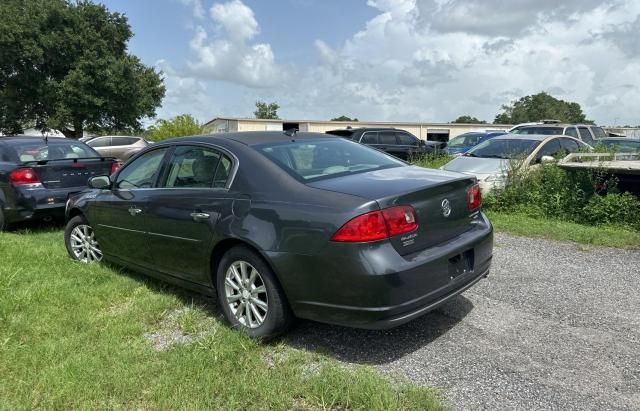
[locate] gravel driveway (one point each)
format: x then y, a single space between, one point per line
555 326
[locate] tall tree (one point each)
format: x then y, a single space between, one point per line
468 120
65 65
540 106
268 111
182 125
344 118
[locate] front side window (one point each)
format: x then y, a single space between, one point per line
123 141
551 148
194 167
323 158
406 139
143 171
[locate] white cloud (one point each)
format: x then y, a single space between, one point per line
229 55
432 60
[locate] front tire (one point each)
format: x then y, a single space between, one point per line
80 240
250 295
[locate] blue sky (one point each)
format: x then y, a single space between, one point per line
414 60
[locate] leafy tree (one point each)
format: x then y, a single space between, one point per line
182 125
540 106
344 118
268 111
64 65
468 120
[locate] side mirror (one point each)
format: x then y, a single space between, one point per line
547 160
421 143
99 182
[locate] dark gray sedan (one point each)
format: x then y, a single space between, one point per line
288 225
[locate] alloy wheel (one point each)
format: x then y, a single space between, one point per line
246 294
84 246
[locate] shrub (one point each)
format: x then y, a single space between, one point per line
620 209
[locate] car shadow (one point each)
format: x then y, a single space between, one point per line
376 347
373 347
37 226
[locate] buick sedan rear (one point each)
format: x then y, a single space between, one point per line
281 226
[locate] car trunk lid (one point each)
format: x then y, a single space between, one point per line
439 198
65 173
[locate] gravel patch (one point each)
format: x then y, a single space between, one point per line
554 326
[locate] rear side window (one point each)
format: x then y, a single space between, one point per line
406 139
387 137
585 135
571 131
192 167
100 142
369 138
123 141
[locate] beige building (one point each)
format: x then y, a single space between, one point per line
425 131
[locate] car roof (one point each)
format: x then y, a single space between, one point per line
353 130
618 139
558 125
250 138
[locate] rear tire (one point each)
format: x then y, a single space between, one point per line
250 296
80 240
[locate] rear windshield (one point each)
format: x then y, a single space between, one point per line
313 160
41 150
504 148
547 131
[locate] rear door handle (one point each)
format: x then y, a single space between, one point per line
199 217
134 211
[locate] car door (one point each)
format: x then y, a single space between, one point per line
118 214
387 142
183 212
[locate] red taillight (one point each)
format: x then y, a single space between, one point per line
378 225
474 197
400 219
24 176
114 167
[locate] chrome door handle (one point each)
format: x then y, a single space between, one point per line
134 211
199 216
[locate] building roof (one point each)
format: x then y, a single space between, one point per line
364 122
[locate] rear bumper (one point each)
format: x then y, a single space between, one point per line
39 203
372 286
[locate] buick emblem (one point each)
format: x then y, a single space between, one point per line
446 207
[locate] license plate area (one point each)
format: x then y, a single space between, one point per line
461 264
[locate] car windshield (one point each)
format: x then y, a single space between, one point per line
318 159
465 140
547 131
43 150
504 148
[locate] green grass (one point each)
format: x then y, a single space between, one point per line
80 336
432 161
604 235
